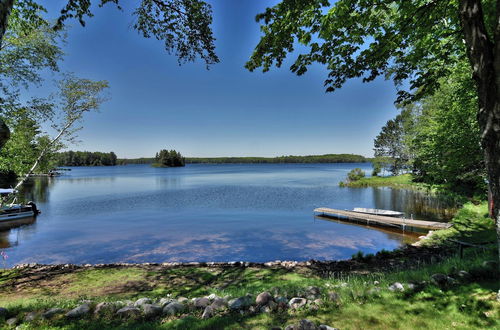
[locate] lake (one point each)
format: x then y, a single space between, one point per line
202 212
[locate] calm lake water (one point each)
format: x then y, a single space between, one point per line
256 212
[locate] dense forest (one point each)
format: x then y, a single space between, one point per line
86 158
328 158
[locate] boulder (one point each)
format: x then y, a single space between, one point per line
240 303
441 279
464 275
142 301
173 308
326 327
212 297
79 311
165 301
281 300
296 303
303 325
207 313
129 312
201 302
313 292
396 287
263 298
334 296
218 303
182 300
105 307
151 310
31 316
12 321
51 312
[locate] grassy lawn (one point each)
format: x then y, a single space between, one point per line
400 181
365 302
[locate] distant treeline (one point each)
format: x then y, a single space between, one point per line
86 158
329 158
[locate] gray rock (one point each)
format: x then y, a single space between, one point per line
440 279
326 327
240 303
151 310
334 296
201 302
142 301
3 312
296 303
313 292
464 275
182 300
12 321
396 287
51 312
105 307
129 312
374 291
207 313
263 298
281 300
212 297
78 311
218 303
165 301
173 308
31 316
303 325
375 283
270 307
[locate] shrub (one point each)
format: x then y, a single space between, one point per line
356 174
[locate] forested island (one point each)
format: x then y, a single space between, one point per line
327 158
166 158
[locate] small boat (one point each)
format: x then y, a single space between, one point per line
12 215
387 213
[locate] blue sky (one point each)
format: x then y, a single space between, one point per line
225 111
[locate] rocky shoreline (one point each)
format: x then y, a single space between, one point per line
406 257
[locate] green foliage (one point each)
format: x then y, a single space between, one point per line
355 174
86 158
391 145
446 142
406 41
166 158
183 25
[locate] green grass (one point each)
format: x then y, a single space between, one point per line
399 181
470 224
468 305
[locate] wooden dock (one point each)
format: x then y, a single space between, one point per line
380 220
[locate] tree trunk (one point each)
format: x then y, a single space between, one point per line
5 9
484 57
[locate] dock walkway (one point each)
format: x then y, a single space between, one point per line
382 220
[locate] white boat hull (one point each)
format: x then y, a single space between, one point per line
388 213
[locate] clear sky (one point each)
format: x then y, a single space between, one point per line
225 111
